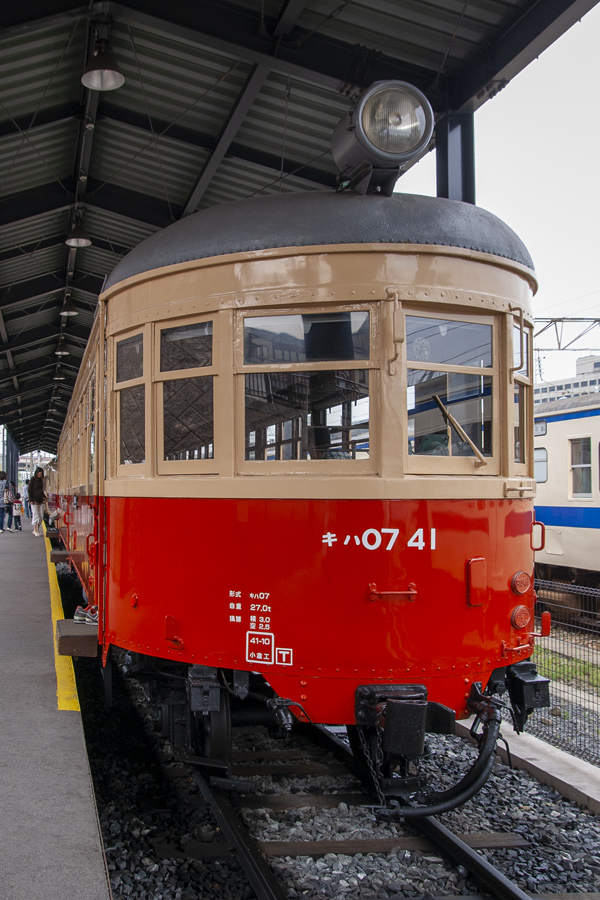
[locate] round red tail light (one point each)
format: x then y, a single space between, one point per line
520 617
520 583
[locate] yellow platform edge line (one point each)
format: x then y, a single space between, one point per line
66 689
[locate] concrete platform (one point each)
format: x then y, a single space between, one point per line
50 843
572 777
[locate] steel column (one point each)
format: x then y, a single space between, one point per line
455 156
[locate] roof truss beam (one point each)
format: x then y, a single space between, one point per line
52 116
289 15
43 335
42 287
50 198
34 202
237 115
58 241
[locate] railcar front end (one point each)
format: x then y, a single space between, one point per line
302 445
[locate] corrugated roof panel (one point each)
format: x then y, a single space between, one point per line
19 323
24 266
36 350
34 229
280 120
115 229
432 35
128 157
45 154
96 261
41 69
86 307
180 84
238 180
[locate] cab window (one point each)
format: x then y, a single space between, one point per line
449 387
308 394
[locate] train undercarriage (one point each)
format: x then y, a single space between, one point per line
196 707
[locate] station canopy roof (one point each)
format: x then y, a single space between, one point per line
221 101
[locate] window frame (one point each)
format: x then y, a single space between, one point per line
525 382
142 469
572 494
185 466
539 462
455 465
372 364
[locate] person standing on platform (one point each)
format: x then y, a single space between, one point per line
37 495
26 502
3 483
9 496
17 512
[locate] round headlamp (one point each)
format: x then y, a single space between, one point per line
391 124
394 119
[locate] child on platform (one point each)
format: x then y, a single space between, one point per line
17 511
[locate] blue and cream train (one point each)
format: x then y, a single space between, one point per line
567 471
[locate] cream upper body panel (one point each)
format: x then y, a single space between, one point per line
316 275
409 419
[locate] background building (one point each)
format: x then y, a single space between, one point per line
585 381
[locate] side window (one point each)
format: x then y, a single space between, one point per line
131 400
92 430
522 389
540 460
450 368
581 467
185 374
307 394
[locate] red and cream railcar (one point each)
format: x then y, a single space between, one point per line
299 453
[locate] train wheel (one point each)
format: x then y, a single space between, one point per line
212 732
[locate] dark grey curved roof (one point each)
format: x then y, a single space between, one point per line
313 218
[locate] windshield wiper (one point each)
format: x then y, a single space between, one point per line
448 417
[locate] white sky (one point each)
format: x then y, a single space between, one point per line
537 147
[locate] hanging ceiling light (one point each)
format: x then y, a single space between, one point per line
58 375
61 350
102 73
68 307
78 236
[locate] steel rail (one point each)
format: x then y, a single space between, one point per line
259 874
268 888
484 872
449 845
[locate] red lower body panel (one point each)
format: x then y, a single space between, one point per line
322 596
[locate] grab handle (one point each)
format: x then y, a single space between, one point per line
542 536
409 595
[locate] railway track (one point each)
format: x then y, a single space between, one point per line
159 835
161 830
253 855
